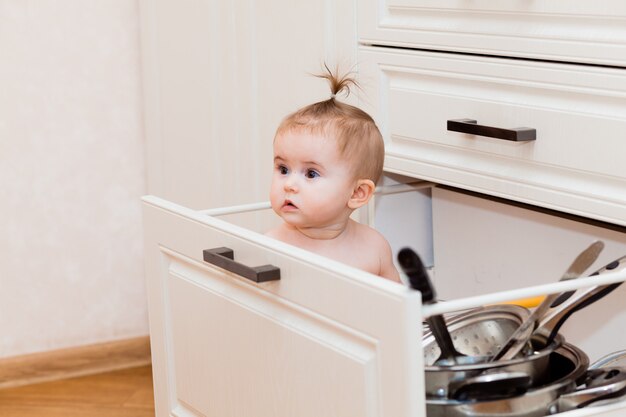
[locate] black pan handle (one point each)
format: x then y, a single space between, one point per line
490 385
415 271
225 258
516 134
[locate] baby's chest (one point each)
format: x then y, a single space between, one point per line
359 253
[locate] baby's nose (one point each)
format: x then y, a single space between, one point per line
291 184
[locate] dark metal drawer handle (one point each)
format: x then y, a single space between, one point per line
517 134
225 258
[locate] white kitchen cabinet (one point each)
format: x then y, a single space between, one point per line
506 65
327 339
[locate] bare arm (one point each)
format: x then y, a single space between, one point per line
387 268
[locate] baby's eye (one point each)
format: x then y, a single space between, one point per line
311 173
283 169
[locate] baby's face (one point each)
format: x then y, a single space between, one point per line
312 183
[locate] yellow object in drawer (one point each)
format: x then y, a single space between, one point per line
530 302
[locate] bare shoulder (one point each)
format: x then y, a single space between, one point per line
379 247
371 237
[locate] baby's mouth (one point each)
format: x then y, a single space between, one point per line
289 204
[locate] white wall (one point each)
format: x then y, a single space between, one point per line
71 174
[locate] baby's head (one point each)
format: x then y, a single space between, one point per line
328 157
356 135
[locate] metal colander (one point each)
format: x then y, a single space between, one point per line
477 333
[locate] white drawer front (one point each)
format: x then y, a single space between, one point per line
575 165
572 31
324 340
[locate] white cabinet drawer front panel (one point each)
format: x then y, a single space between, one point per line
572 31
579 112
323 340
256 343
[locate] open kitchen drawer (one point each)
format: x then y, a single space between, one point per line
323 340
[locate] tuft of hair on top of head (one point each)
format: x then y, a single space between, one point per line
338 83
357 136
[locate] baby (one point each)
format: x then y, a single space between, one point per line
328 157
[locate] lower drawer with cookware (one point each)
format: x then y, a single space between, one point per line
542 133
242 324
504 360
483 245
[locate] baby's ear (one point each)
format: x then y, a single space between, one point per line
363 191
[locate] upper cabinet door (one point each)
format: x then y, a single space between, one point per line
573 31
323 340
218 77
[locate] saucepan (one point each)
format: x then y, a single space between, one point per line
482 331
453 364
567 364
476 333
461 372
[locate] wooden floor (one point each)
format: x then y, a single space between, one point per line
124 393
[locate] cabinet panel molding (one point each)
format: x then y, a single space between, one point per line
573 31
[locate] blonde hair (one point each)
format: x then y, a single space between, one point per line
358 138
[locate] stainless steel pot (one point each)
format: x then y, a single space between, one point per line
477 333
567 365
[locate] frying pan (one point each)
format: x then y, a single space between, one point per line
568 364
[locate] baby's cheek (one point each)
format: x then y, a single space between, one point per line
274 199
